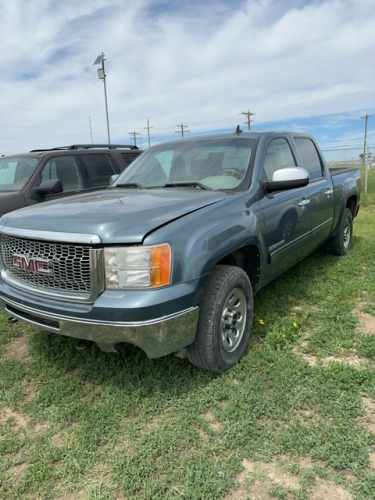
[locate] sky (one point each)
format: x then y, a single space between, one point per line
297 65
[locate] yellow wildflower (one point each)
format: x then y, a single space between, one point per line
295 324
261 322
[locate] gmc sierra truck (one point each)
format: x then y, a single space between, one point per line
168 258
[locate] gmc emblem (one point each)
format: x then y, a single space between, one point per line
32 264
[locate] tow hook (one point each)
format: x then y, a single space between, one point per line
83 345
12 320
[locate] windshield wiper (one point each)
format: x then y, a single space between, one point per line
188 184
130 185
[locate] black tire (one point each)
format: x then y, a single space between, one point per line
225 320
341 243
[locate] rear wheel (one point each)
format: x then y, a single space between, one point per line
341 243
225 320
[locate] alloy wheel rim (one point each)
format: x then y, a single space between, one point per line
233 319
346 235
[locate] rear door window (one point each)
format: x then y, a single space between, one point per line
310 158
64 168
129 157
99 169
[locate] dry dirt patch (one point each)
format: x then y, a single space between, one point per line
351 359
19 350
366 323
257 478
369 417
21 423
324 490
215 425
18 470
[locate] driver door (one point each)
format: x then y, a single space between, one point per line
286 217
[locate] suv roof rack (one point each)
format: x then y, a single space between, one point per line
102 146
87 146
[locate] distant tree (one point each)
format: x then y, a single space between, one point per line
369 155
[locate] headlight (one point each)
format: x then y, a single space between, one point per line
137 267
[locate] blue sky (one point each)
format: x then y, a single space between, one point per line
298 65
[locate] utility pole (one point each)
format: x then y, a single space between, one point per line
367 116
248 114
148 132
182 127
134 134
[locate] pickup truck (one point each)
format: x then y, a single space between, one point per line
44 175
168 258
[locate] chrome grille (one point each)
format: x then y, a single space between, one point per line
67 267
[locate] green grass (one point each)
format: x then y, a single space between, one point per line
368 191
296 413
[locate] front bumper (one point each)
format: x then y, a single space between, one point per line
159 323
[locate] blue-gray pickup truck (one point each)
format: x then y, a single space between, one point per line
168 258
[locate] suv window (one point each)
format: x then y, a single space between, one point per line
129 157
310 157
16 171
99 169
278 156
65 169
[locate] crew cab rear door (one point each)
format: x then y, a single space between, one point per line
321 194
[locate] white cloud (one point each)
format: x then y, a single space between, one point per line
197 63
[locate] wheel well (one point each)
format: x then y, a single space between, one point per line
248 259
352 205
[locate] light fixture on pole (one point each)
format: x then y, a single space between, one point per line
102 75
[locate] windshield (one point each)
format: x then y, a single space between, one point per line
15 171
217 163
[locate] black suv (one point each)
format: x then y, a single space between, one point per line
44 175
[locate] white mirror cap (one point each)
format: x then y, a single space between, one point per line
113 178
290 174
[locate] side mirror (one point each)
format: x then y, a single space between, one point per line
287 178
113 178
50 186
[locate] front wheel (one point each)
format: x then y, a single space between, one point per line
342 242
225 320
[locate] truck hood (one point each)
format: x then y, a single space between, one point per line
115 215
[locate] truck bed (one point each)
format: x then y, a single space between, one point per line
341 170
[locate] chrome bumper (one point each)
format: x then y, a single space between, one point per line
156 337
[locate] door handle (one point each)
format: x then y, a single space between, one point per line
303 203
329 191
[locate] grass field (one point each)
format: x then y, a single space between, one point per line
368 185
295 419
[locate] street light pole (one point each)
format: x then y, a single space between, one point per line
102 75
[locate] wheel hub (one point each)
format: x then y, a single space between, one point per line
346 236
233 319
